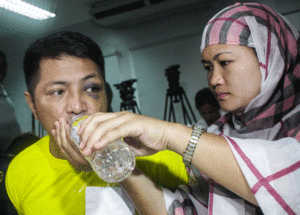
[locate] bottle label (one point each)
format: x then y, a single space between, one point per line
76 122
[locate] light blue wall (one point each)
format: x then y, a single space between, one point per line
14 48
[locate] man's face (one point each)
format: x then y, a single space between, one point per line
68 86
209 113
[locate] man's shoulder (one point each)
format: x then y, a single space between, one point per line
31 153
166 168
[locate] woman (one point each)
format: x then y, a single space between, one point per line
250 158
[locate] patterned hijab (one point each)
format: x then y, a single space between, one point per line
275 112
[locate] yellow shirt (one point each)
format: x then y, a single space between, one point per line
38 183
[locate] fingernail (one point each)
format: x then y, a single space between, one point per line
81 146
85 152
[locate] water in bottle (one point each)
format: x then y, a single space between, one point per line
114 162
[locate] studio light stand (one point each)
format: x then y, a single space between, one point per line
176 94
126 94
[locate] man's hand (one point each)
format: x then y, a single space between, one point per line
67 146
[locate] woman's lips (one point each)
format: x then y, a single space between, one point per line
221 96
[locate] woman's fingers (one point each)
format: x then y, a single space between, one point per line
102 129
91 120
94 127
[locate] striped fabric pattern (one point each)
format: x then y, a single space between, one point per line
276 43
265 139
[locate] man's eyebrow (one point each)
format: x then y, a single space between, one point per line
91 76
57 82
65 83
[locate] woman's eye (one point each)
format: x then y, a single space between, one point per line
208 68
224 63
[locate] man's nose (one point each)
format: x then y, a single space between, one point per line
76 103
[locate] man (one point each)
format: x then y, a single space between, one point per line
207 106
65 76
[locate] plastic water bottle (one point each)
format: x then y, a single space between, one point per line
114 162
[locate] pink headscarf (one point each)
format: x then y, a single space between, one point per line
265 139
275 112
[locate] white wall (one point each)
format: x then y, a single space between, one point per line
150 64
144 52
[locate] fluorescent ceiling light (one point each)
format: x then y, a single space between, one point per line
26 9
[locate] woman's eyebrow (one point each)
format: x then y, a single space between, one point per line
204 61
216 56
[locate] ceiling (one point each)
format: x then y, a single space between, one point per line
69 12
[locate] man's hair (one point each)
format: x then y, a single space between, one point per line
3 66
55 45
205 96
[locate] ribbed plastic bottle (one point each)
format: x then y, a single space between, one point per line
113 163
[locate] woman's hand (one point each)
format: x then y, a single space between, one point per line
144 134
67 146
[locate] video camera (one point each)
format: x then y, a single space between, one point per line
126 89
172 74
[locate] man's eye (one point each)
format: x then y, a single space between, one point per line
93 89
57 92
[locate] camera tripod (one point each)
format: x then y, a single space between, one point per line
172 95
130 105
126 94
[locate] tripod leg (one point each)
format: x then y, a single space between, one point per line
184 111
137 107
132 108
187 101
166 106
172 110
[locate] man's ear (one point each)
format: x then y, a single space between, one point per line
30 103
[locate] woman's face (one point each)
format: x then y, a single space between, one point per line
233 75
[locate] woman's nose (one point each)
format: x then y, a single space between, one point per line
216 77
76 103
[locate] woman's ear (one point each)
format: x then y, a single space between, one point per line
30 102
